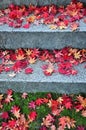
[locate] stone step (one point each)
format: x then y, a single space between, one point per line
5 3
38 82
42 37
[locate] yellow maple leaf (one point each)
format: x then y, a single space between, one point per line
53 27
77 55
72 51
20 57
28 52
1 97
32 60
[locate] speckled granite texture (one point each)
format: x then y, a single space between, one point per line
38 82
5 3
42 37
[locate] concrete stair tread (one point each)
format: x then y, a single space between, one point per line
39 82
42 28
38 36
38 75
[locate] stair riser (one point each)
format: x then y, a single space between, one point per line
45 40
5 3
43 87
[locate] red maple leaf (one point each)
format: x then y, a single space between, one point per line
19 65
28 71
32 115
39 101
1 68
54 104
67 102
5 115
27 25
68 105
11 123
9 91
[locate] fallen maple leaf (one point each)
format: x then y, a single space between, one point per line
9 92
24 95
27 25
32 116
43 128
70 123
7 69
31 60
83 113
77 55
63 24
53 27
48 121
5 115
62 122
1 97
80 128
11 124
9 98
16 111
12 75
49 69
74 26
39 101
53 127
68 105
31 19
32 105
28 71
82 101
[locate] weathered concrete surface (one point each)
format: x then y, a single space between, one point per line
38 82
5 3
42 37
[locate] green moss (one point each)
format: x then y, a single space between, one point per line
42 110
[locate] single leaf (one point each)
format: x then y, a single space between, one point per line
53 27
27 25
74 26
16 111
5 115
28 71
83 113
12 75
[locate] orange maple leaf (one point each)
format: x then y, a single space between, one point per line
83 113
74 26
31 19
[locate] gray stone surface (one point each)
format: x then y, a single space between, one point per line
5 3
42 37
38 82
